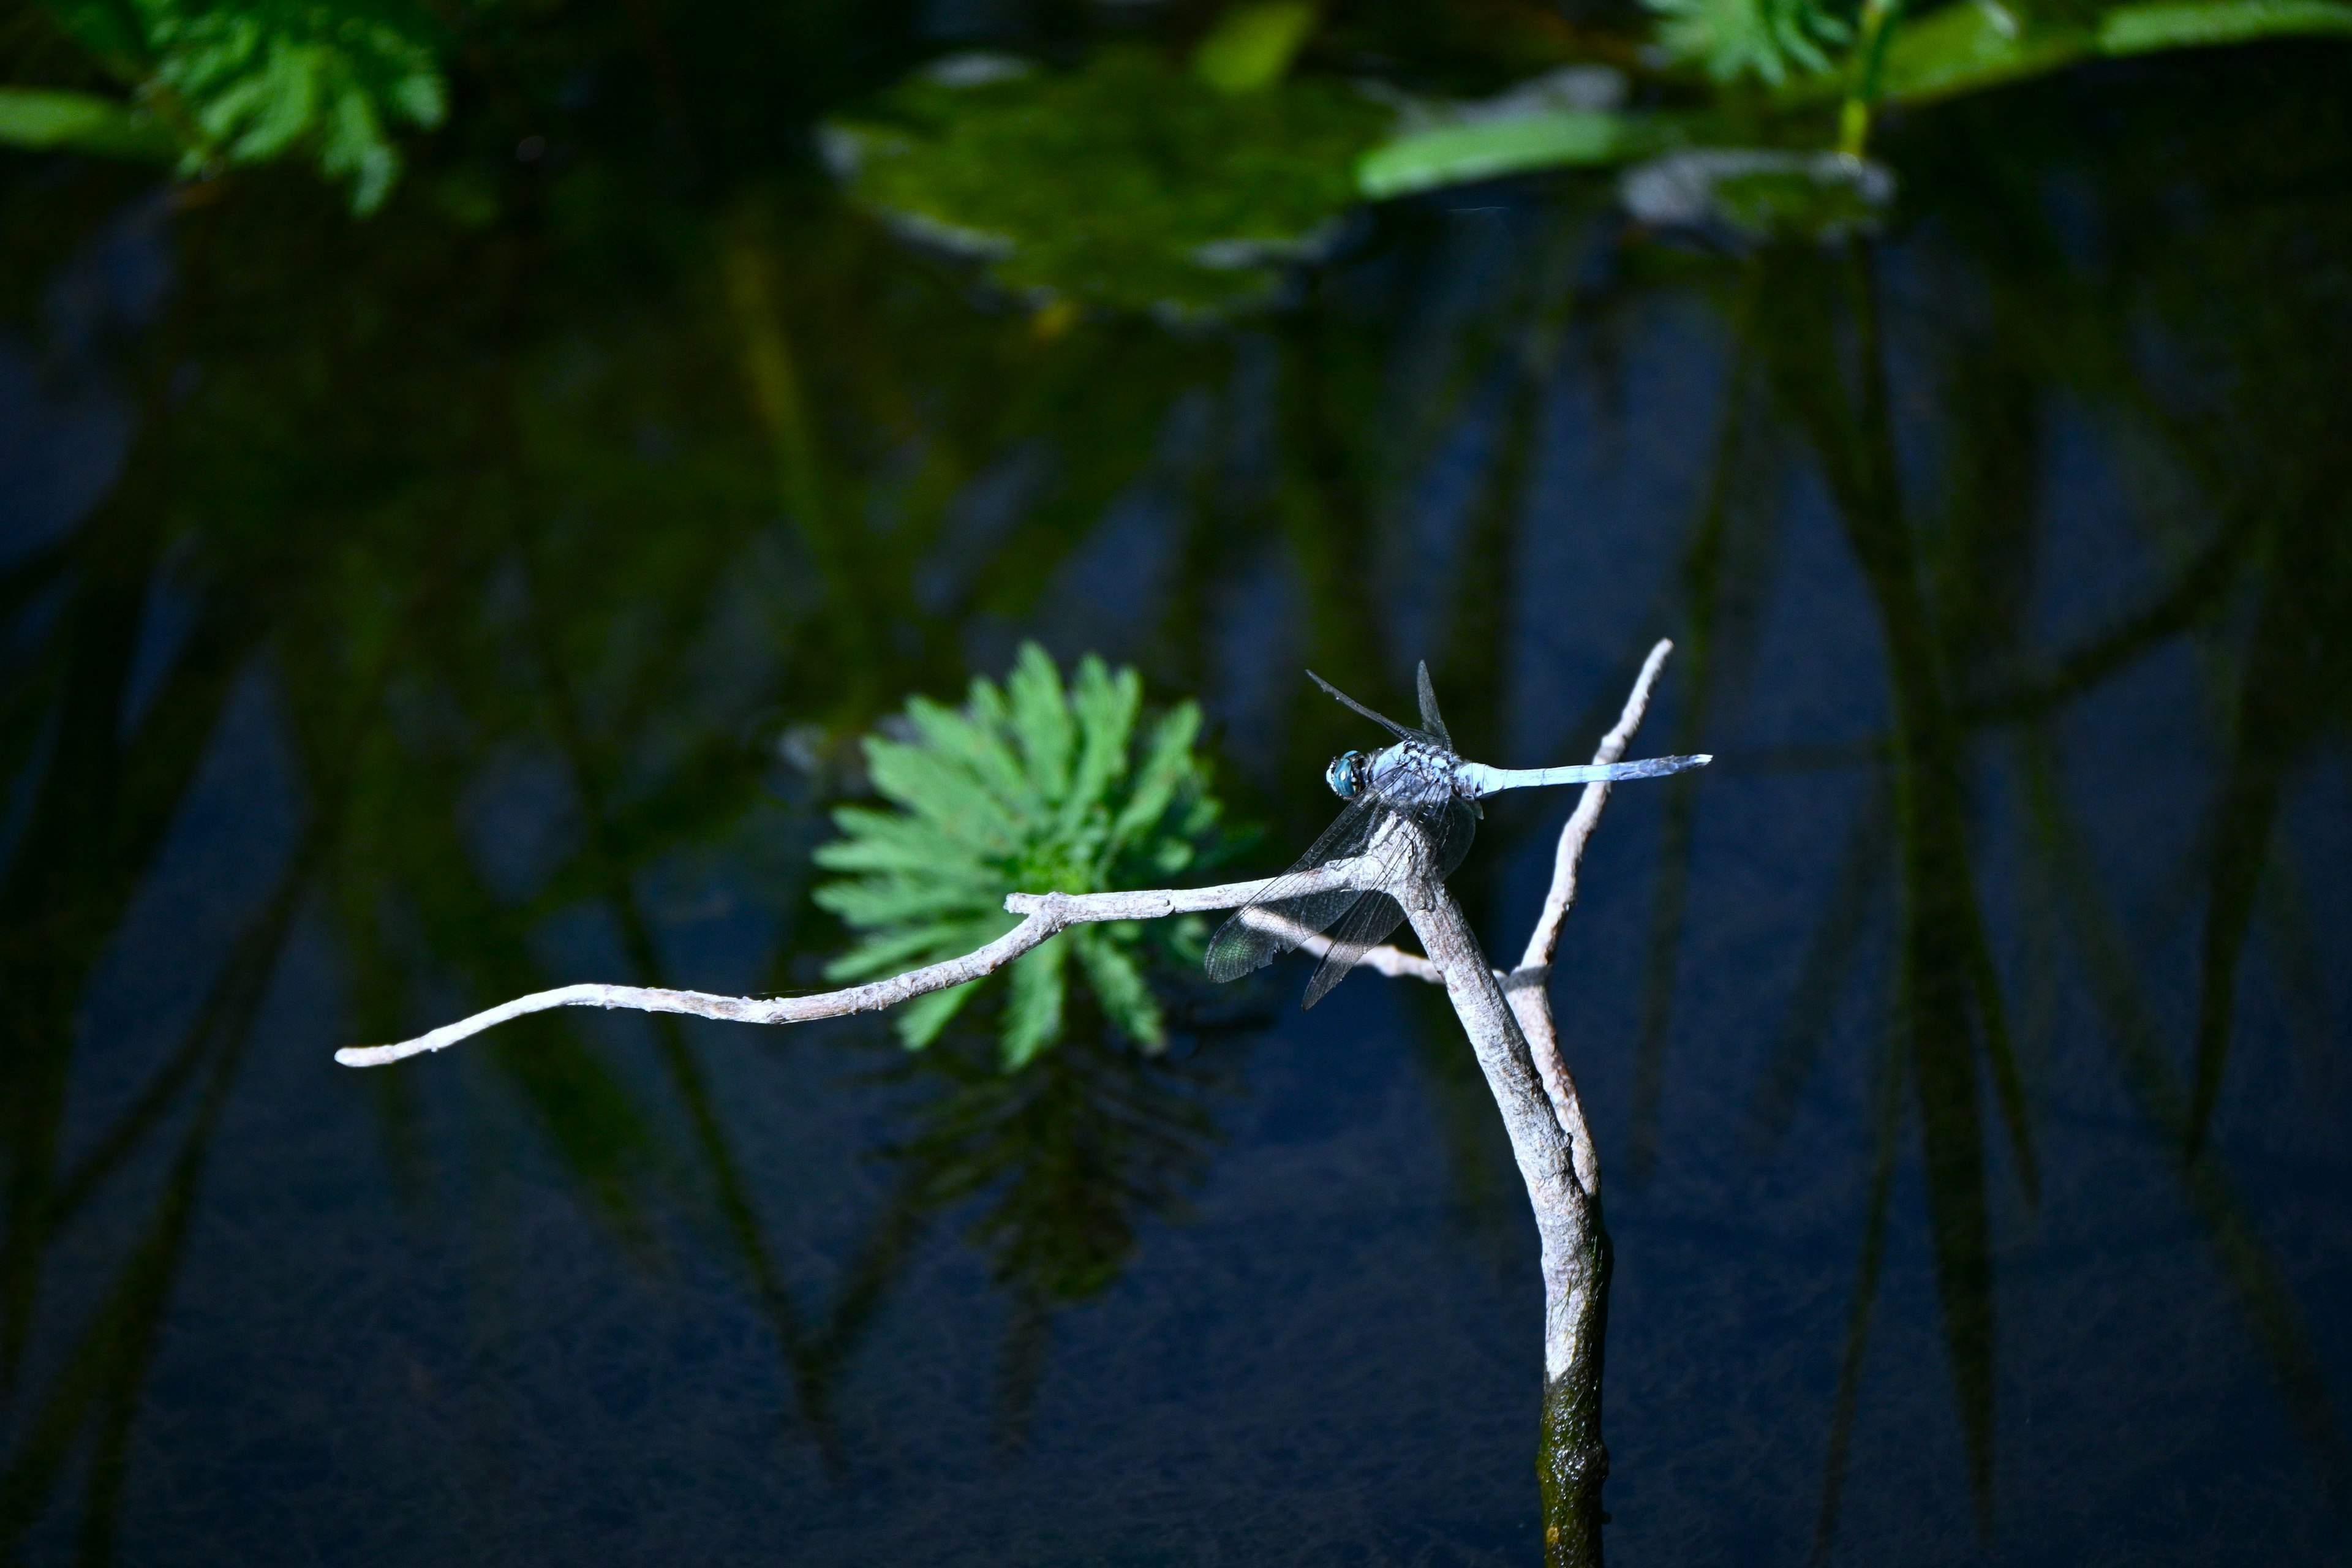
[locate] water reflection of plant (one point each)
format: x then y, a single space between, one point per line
1954 598
1064 1163
491 579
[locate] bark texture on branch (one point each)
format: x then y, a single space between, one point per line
1047 915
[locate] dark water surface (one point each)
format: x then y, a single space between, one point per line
405 615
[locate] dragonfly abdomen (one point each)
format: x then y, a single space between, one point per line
1476 779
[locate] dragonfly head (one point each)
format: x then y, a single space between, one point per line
1345 774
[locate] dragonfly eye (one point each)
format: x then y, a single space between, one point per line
1345 775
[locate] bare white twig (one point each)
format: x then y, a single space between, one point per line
1545 939
1386 958
1046 914
1528 987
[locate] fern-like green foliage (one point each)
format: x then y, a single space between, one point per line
1772 39
1028 788
250 82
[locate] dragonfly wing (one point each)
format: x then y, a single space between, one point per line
1399 849
1390 725
1283 916
1368 925
1450 829
1431 724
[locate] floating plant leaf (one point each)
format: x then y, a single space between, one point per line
1967 49
1127 181
1029 787
1486 149
2140 29
1964 48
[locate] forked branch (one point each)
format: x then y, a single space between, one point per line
1506 1014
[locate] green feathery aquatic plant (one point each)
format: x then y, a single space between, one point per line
1773 39
1027 788
216 84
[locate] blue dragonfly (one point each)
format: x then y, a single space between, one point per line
1411 811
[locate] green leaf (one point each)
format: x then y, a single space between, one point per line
2140 30
1041 718
980 742
928 880
1252 46
1958 50
879 841
950 794
1033 1016
920 1020
1118 986
1167 767
80 122
885 901
1106 709
1453 154
886 953
1964 49
1772 39
265 78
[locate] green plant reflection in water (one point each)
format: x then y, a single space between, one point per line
1030 788
1954 595
1060 1166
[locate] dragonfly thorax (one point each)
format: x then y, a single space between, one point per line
1410 774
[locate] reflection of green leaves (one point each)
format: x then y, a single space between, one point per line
1076 1153
2297 648
1128 181
1028 788
1950 1008
2275 1319
1068 1160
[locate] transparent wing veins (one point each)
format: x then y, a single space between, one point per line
1390 725
1281 917
1430 722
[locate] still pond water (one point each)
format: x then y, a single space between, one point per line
405 615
